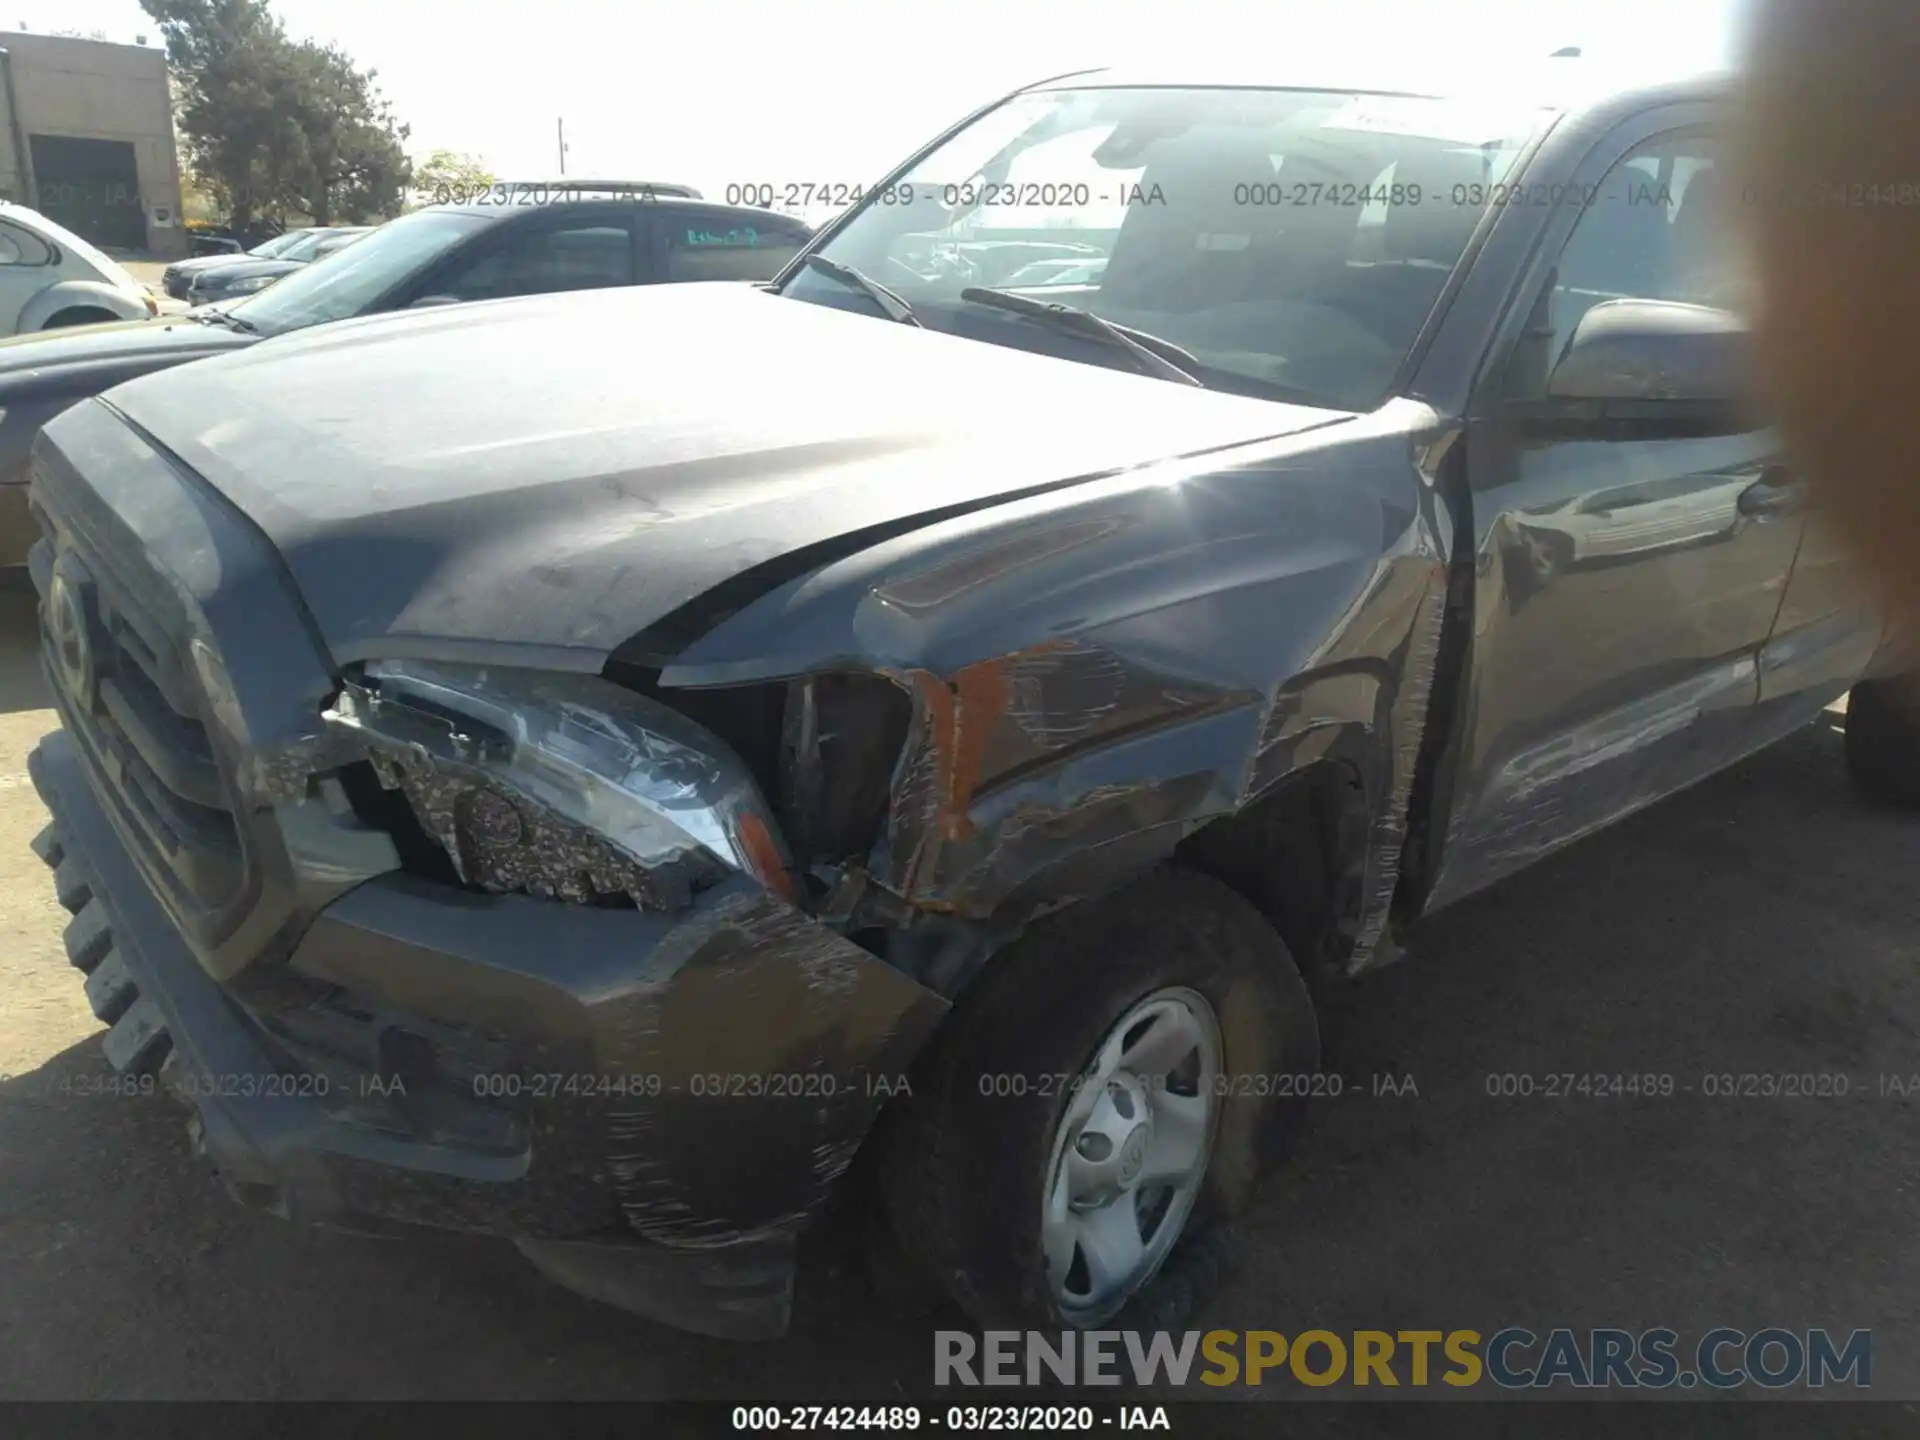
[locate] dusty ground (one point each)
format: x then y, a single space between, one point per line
1766 922
148 272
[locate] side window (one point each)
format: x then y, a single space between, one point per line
719 247
537 259
304 247
17 247
1655 230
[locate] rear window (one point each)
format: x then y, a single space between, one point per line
109 268
19 248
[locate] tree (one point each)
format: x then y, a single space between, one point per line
352 166
274 125
445 173
225 55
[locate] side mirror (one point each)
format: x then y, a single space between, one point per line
1655 350
425 300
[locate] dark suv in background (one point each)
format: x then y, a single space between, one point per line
250 274
504 241
178 276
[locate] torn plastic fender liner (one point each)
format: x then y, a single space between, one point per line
959 714
754 1047
999 713
982 732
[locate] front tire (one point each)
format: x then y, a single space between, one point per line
1100 1102
1883 739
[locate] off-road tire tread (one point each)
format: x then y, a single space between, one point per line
89 941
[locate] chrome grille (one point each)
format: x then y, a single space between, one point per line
115 650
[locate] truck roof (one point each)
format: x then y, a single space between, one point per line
587 187
1554 83
502 209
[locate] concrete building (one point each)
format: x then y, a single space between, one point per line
86 138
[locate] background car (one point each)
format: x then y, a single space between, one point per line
205 238
247 275
436 256
51 278
175 278
1627 520
1058 272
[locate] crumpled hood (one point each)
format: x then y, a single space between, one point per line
561 472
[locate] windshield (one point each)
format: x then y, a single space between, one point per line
305 246
350 280
1293 242
276 247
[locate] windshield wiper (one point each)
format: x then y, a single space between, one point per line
223 317
1154 355
892 304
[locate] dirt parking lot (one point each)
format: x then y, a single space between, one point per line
1766 923
148 273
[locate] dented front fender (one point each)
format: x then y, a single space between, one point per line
1099 672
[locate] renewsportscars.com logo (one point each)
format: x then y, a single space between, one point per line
1509 1359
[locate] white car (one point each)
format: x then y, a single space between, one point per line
1631 519
50 278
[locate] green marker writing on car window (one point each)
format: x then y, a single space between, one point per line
748 236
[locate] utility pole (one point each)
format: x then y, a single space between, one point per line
560 128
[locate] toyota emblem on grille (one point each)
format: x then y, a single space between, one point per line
71 635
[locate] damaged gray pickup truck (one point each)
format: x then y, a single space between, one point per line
629 772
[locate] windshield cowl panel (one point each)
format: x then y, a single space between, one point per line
1293 242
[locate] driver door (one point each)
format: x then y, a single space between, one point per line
1627 580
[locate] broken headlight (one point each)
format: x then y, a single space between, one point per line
562 785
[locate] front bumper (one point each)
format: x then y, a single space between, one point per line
676 1095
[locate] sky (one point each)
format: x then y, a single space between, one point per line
720 92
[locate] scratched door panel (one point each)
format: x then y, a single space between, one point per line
1624 590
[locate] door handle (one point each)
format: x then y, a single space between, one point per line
1778 492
